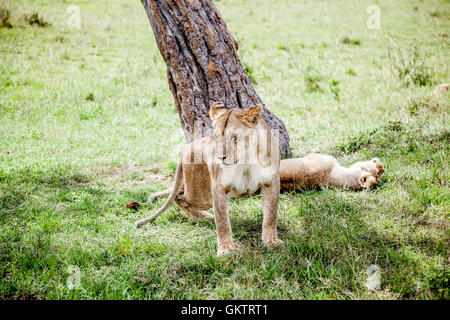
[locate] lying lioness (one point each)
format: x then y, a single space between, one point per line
321 170
241 158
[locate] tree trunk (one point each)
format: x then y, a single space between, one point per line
203 65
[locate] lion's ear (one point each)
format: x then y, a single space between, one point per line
252 116
217 110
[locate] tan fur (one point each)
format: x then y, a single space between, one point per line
321 170
214 169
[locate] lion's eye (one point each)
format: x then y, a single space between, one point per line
233 137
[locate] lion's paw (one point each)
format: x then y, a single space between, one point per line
273 242
224 250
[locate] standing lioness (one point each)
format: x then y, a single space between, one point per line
241 158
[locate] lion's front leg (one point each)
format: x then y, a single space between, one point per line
269 194
222 220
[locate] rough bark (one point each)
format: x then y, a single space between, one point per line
203 65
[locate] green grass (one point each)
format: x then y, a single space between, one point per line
87 123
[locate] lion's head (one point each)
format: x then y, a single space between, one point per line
234 130
370 172
366 180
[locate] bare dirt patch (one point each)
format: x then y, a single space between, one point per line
128 175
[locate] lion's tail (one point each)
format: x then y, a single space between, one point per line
176 188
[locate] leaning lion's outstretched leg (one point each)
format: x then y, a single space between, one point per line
135 205
163 193
158 195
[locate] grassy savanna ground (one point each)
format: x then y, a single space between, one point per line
87 124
